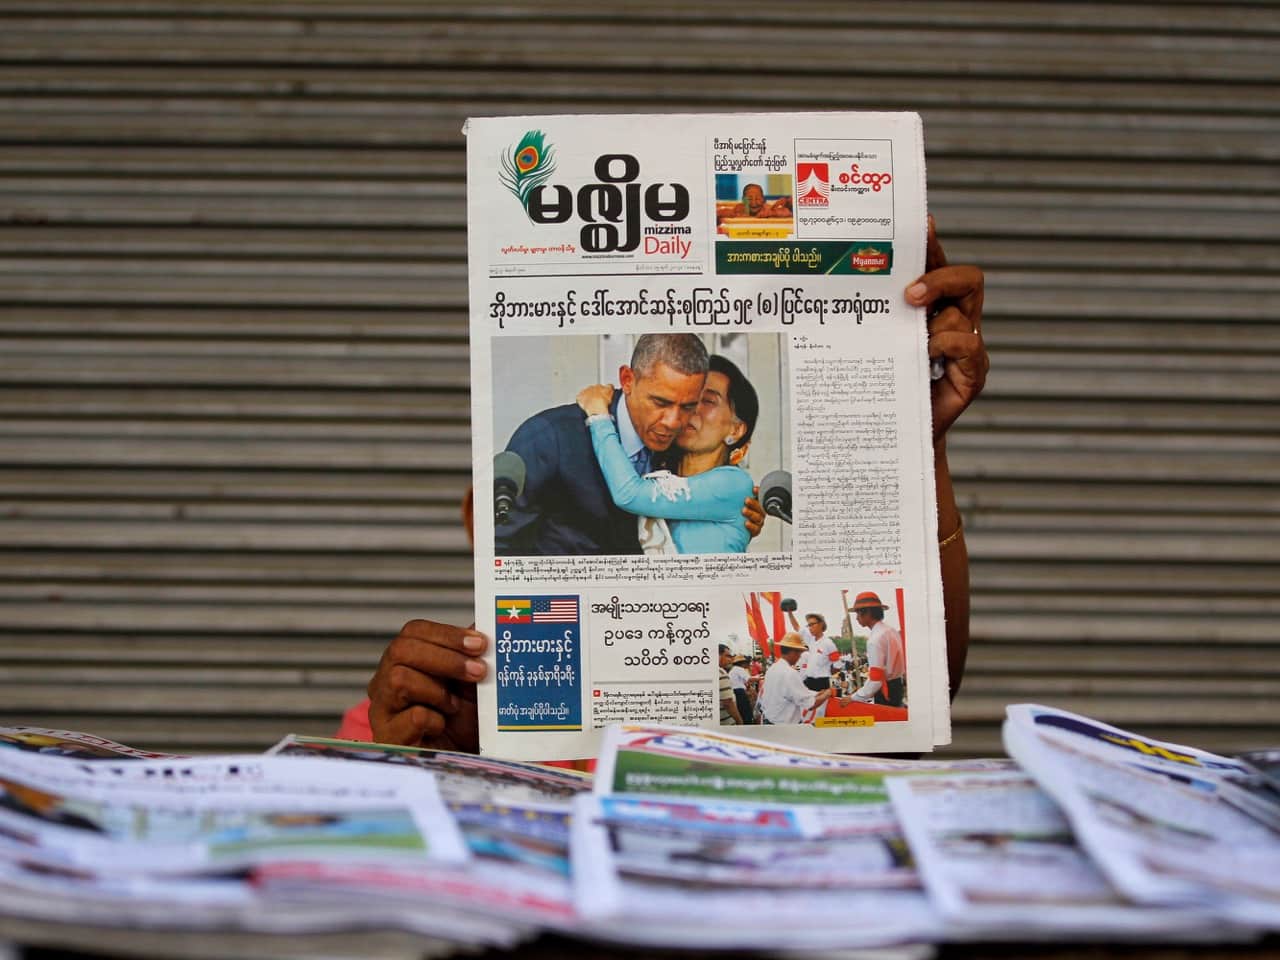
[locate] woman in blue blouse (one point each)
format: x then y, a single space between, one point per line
703 500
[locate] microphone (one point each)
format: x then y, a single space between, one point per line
775 495
508 483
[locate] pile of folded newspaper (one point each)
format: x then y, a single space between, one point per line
686 838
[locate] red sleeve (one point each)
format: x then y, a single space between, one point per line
355 723
355 726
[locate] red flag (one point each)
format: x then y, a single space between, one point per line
759 632
753 628
902 621
779 622
768 647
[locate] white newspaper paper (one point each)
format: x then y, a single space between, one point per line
462 778
840 827
1166 823
706 899
999 860
783 242
513 816
153 817
72 743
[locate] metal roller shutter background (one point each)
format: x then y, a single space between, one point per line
233 350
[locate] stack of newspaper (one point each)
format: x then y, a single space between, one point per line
685 838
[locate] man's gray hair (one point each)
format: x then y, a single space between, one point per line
682 352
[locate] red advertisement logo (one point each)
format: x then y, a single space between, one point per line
869 260
813 184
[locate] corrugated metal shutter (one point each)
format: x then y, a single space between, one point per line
233 381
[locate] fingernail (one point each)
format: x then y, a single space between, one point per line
917 292
475 669
472 642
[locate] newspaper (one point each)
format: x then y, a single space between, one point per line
733 839
613 561
1266 762
738 888
462 778
999 860
691 838
1167 824
228 843
513 816
682 761
149 817
842 816
73 743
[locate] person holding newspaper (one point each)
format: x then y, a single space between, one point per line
698 508
423 689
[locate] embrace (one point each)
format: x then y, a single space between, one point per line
650 468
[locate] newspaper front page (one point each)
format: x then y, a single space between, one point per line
734 285
513 816
1000 861
732 839
188 816
1167 823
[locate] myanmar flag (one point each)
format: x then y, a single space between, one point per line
514 611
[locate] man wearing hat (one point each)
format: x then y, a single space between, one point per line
886 658
785 698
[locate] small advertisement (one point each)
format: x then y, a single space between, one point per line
700 404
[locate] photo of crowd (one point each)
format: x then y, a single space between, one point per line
787 672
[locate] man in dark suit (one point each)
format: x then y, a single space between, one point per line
566 509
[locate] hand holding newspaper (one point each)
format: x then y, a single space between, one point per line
736 281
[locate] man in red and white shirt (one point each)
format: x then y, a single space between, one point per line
886 658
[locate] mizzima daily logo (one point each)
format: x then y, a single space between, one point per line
610 209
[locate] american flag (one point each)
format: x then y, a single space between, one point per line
555 609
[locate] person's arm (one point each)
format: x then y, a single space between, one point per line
812 703
831 650
730 704
753 513
952 297
714 495
955 569
875 673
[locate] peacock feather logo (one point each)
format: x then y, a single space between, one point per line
529 164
